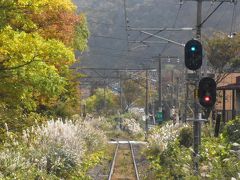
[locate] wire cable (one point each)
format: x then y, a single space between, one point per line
210 14
146 38
103 23
108 37
219 19
233 22
210 7
174 25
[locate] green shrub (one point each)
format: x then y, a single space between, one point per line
15 120
217 159
186 137
173 163
232 131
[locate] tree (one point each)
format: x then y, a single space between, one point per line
32 69
102 101
52 19
133 92
37 44
223 54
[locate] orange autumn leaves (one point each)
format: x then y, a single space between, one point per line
60 25
52 19
37 43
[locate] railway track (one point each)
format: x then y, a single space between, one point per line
123 165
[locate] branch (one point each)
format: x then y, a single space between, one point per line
13 8
221 77
16 67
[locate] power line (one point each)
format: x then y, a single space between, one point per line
210 14
219 20
108 37
104 23
108 48
174 25
105 49
126 20
116 56
233 18
90 9
210 7
117 69
154 34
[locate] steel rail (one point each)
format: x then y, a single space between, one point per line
134 162
113 162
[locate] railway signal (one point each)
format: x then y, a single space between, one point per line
207 92
193 54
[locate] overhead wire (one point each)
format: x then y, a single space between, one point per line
104 49
103 23
219 20
237 17
108 37
107 48
173 26
90 10
210 14
149 36
123 54
126 21
233 22
233 19
116 55
210 7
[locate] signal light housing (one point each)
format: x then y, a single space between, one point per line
193 54
207 92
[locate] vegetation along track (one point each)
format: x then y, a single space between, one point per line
123 164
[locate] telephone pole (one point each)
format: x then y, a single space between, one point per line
159 60
146 102
197 114
121 93
196 122
159 84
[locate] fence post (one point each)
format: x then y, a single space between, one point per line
217 125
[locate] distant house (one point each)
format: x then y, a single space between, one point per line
228 100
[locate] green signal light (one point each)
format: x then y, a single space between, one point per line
193 48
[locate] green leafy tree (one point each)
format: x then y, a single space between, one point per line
103 101
54 19
36 50
133 92
232 131
37 43
31 68
223 54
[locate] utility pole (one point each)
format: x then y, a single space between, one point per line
104 97
121 93
197 119
177 93
172 88
186 99
159 59
159 84
146 102
196 123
